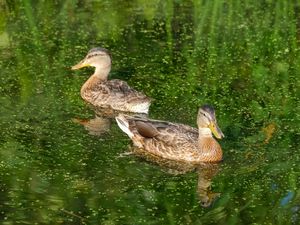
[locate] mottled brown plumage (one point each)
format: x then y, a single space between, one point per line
176 141
116 94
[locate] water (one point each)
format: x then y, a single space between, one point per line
242 58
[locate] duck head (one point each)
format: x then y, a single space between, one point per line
99 58
206 119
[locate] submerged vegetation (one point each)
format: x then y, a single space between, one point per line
241 57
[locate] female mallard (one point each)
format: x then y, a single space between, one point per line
103 93
176 141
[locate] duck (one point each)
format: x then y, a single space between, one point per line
113 94
176 141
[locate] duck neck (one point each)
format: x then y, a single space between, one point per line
210 150
102 73
204 133
99 75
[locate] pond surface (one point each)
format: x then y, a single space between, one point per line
242 58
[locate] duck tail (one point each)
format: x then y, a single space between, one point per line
124 125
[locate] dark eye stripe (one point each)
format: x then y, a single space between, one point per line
90 56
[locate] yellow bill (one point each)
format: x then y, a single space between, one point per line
213 126
80 65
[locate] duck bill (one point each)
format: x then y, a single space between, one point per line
80 65
213 126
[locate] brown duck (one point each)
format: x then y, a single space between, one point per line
176 141
115 94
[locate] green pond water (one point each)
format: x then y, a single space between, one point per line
242 57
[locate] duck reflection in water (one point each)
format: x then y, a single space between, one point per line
205 172
101 123
96 126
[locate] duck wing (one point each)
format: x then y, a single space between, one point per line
120 88
117 94
163 131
